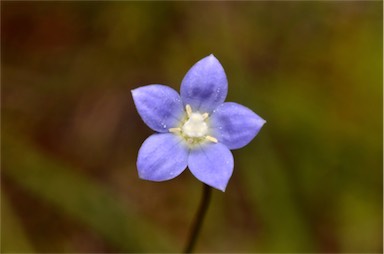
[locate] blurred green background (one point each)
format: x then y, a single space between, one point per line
311 181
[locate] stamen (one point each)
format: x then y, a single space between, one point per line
188 109
174 130
212 139
194 128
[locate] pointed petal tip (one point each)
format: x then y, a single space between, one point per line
205 86
213 58
136 91
235 125
218 187
159 106
215 186
205 165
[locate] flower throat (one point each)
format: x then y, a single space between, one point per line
195 128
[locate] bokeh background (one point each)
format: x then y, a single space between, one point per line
311 181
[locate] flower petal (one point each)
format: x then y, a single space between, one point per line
212 164
159 106
162 157
235 125
205 85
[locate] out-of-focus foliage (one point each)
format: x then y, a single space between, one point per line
311 181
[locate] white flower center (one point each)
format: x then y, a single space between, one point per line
195 127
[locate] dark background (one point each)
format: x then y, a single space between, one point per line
311 181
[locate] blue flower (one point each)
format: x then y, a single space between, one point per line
195 129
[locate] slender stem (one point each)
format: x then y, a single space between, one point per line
198 222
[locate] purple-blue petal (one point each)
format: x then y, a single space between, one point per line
159 106
211 163
162 157
205 85
235 125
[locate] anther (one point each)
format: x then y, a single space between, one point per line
188 109
212 139
204 116
174 130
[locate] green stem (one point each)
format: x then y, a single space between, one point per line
198 222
